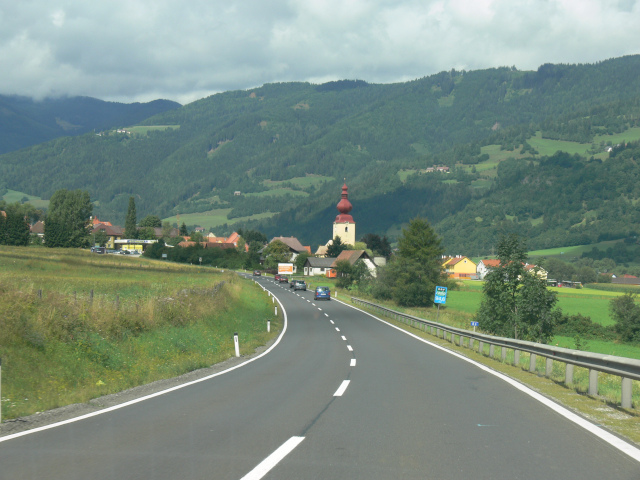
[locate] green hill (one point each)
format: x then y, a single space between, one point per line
287 148
25 122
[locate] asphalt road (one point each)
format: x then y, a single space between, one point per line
342 396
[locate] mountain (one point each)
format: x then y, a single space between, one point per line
25 122
275 157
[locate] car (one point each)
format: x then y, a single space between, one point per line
256 273
276 277
283 279
322 292
292 283
300 285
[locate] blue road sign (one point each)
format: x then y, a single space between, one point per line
474 324
441 295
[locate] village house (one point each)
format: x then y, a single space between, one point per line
460 267
352 256
319 266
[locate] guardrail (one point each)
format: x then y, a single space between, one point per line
626 368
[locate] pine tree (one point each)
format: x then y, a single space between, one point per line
130 224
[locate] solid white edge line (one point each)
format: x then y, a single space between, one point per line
272 460
601 433
342 388
153 395
353 362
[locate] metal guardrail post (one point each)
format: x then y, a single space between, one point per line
491 350
593 382
568 374
481 347
548 370
470 343
626 391
503 354
516 358
532 362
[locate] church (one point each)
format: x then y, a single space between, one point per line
343 226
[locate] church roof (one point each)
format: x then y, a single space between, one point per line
344 207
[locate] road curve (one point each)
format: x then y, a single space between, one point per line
341 396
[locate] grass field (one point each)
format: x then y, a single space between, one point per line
13 196
303 182
78 326
144 129
571 252
278 192
585 301
214 218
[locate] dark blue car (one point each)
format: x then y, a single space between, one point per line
322 292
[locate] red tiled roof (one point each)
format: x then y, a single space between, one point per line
491 262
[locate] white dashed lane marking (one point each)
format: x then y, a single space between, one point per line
353 362
350 348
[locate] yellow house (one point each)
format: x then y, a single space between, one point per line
460 267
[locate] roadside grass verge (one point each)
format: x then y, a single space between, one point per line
602 409
146 321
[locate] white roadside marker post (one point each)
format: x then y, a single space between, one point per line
268 326
237 344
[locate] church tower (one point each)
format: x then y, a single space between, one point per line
344 226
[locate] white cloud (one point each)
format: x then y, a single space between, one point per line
147 49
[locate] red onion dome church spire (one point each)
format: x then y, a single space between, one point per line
344 226
344 207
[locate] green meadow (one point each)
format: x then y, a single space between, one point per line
13 196
588 302
214 218
77 325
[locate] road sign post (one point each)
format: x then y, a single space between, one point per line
440 298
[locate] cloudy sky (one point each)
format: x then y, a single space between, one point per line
139 50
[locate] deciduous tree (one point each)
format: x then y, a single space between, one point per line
516 303
626 314
68 219
412 275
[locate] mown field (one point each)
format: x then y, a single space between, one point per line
76 326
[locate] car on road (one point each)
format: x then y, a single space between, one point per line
256 273
283 279
300 285
322 292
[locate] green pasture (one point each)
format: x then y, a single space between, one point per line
12 196
597 346
303 182
587 302
630 135
144 129
278 192
214 218
548 147
571 252
404 174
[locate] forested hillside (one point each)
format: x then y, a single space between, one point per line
288 147
25 122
